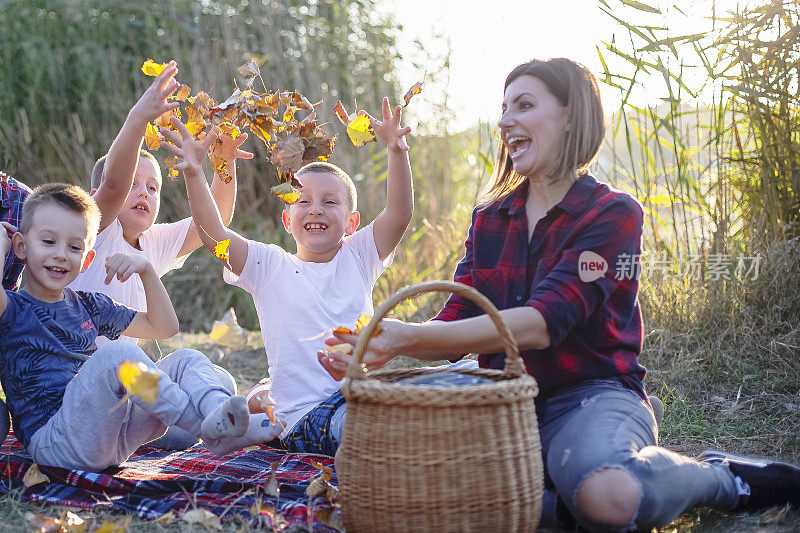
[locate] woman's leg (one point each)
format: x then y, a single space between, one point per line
601 453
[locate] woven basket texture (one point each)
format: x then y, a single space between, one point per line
421 458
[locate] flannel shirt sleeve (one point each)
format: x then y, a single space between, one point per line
562 297
458 307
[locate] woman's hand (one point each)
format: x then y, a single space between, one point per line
391 341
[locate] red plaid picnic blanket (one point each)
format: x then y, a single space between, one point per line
153 482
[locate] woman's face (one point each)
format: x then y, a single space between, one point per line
532 126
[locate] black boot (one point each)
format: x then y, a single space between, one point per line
770 483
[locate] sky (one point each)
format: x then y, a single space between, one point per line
490 37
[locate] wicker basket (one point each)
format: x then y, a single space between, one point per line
420 458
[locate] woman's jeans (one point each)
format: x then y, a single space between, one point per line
600 424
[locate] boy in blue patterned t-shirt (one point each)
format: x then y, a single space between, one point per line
59 396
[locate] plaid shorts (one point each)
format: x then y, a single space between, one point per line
312 434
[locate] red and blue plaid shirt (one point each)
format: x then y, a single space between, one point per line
593 318
12 194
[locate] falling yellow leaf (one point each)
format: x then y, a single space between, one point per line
286 192
221 249
151 68
195 128
413 91
170 161
152 137
139 380
360 131
226 128
33 476
249 69
227 331
183 93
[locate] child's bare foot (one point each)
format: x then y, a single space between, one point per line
229 419
260 431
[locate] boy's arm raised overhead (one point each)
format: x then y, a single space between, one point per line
123 156
224 194
159 321
205 213
392 222
6 231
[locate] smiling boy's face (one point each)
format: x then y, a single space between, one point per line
140 209
56 248
321 218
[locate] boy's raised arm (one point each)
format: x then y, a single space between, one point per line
224 194
392 222
159 321
210 228
123 156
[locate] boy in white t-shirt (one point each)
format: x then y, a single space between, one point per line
126 185
327 283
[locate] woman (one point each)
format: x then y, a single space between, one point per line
554 250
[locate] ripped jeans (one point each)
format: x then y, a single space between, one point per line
601 424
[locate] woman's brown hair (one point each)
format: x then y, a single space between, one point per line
576 89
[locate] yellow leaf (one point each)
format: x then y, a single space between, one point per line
341 112
152 137
168 517
228 332
151 68
226 128
414 90
33 476
221 249
202 517
183 93
286 192
344 347
170 161
360 131
195 128
73 523
114 527
139 380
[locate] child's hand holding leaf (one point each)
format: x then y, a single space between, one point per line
189 152
389 130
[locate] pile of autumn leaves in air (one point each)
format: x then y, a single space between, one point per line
291 142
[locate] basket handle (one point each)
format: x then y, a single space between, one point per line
513 365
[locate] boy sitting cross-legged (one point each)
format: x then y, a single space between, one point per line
60 391
327 283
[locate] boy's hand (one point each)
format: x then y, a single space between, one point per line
190 152
229 148
153 102
6 231
123 266
389 130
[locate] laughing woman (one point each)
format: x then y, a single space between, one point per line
544 221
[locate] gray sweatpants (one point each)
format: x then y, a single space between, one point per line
84 435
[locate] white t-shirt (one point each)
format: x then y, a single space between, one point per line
296 300
160 245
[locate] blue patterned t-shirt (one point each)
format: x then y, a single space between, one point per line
43 345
